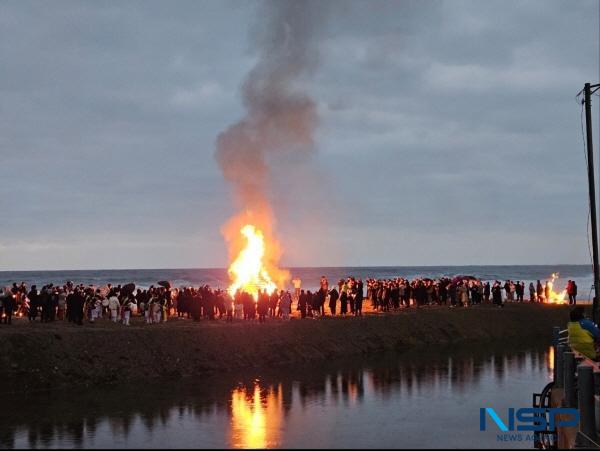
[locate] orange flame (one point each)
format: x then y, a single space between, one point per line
553 296
248 271
254 253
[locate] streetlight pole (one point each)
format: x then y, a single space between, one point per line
587 99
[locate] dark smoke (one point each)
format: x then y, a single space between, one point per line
280 117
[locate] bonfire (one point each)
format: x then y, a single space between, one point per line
554 297
248 270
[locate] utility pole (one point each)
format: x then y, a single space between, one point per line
587 99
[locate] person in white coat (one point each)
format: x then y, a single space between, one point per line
113 307
156 310
97 309
148 313
126 310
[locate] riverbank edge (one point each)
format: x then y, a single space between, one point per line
58 356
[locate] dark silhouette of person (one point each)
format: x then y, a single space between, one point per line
540 290
263 306
358 298
486 292
8 303
333 297
33 303
343 303
302 304
497 294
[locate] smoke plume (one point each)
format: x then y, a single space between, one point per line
280 117
279 122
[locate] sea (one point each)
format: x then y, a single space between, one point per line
310 276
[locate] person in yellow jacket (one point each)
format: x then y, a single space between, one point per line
584 335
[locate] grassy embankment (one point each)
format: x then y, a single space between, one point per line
55 355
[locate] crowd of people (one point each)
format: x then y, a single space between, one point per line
457 292
79 303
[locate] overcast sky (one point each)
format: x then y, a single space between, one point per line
448 133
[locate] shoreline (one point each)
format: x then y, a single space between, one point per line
59 355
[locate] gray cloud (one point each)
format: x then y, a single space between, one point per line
448 133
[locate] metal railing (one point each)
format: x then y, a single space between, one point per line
579 378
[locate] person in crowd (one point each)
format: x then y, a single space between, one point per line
464 294
97 306
473 292
148 310
105 309
53 303
239 306
7 302
333 297
302 304
487 292
4 293
273 302
520 290
372 287
324 284
507 292
285 304
497 294
156 304
584 335
75 306
316 303
453 295
62 303
262 306
297 282
156 309
321 297
229 307
358 298
343 300
113 307
572 292
402 290
540 291
44 303
351 293
21 302
480 291
126 308
532 293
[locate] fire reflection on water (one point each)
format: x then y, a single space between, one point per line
303 408
256 417
550 358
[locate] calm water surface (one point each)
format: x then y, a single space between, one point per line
417 399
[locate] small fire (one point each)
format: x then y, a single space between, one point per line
553 296
248 271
